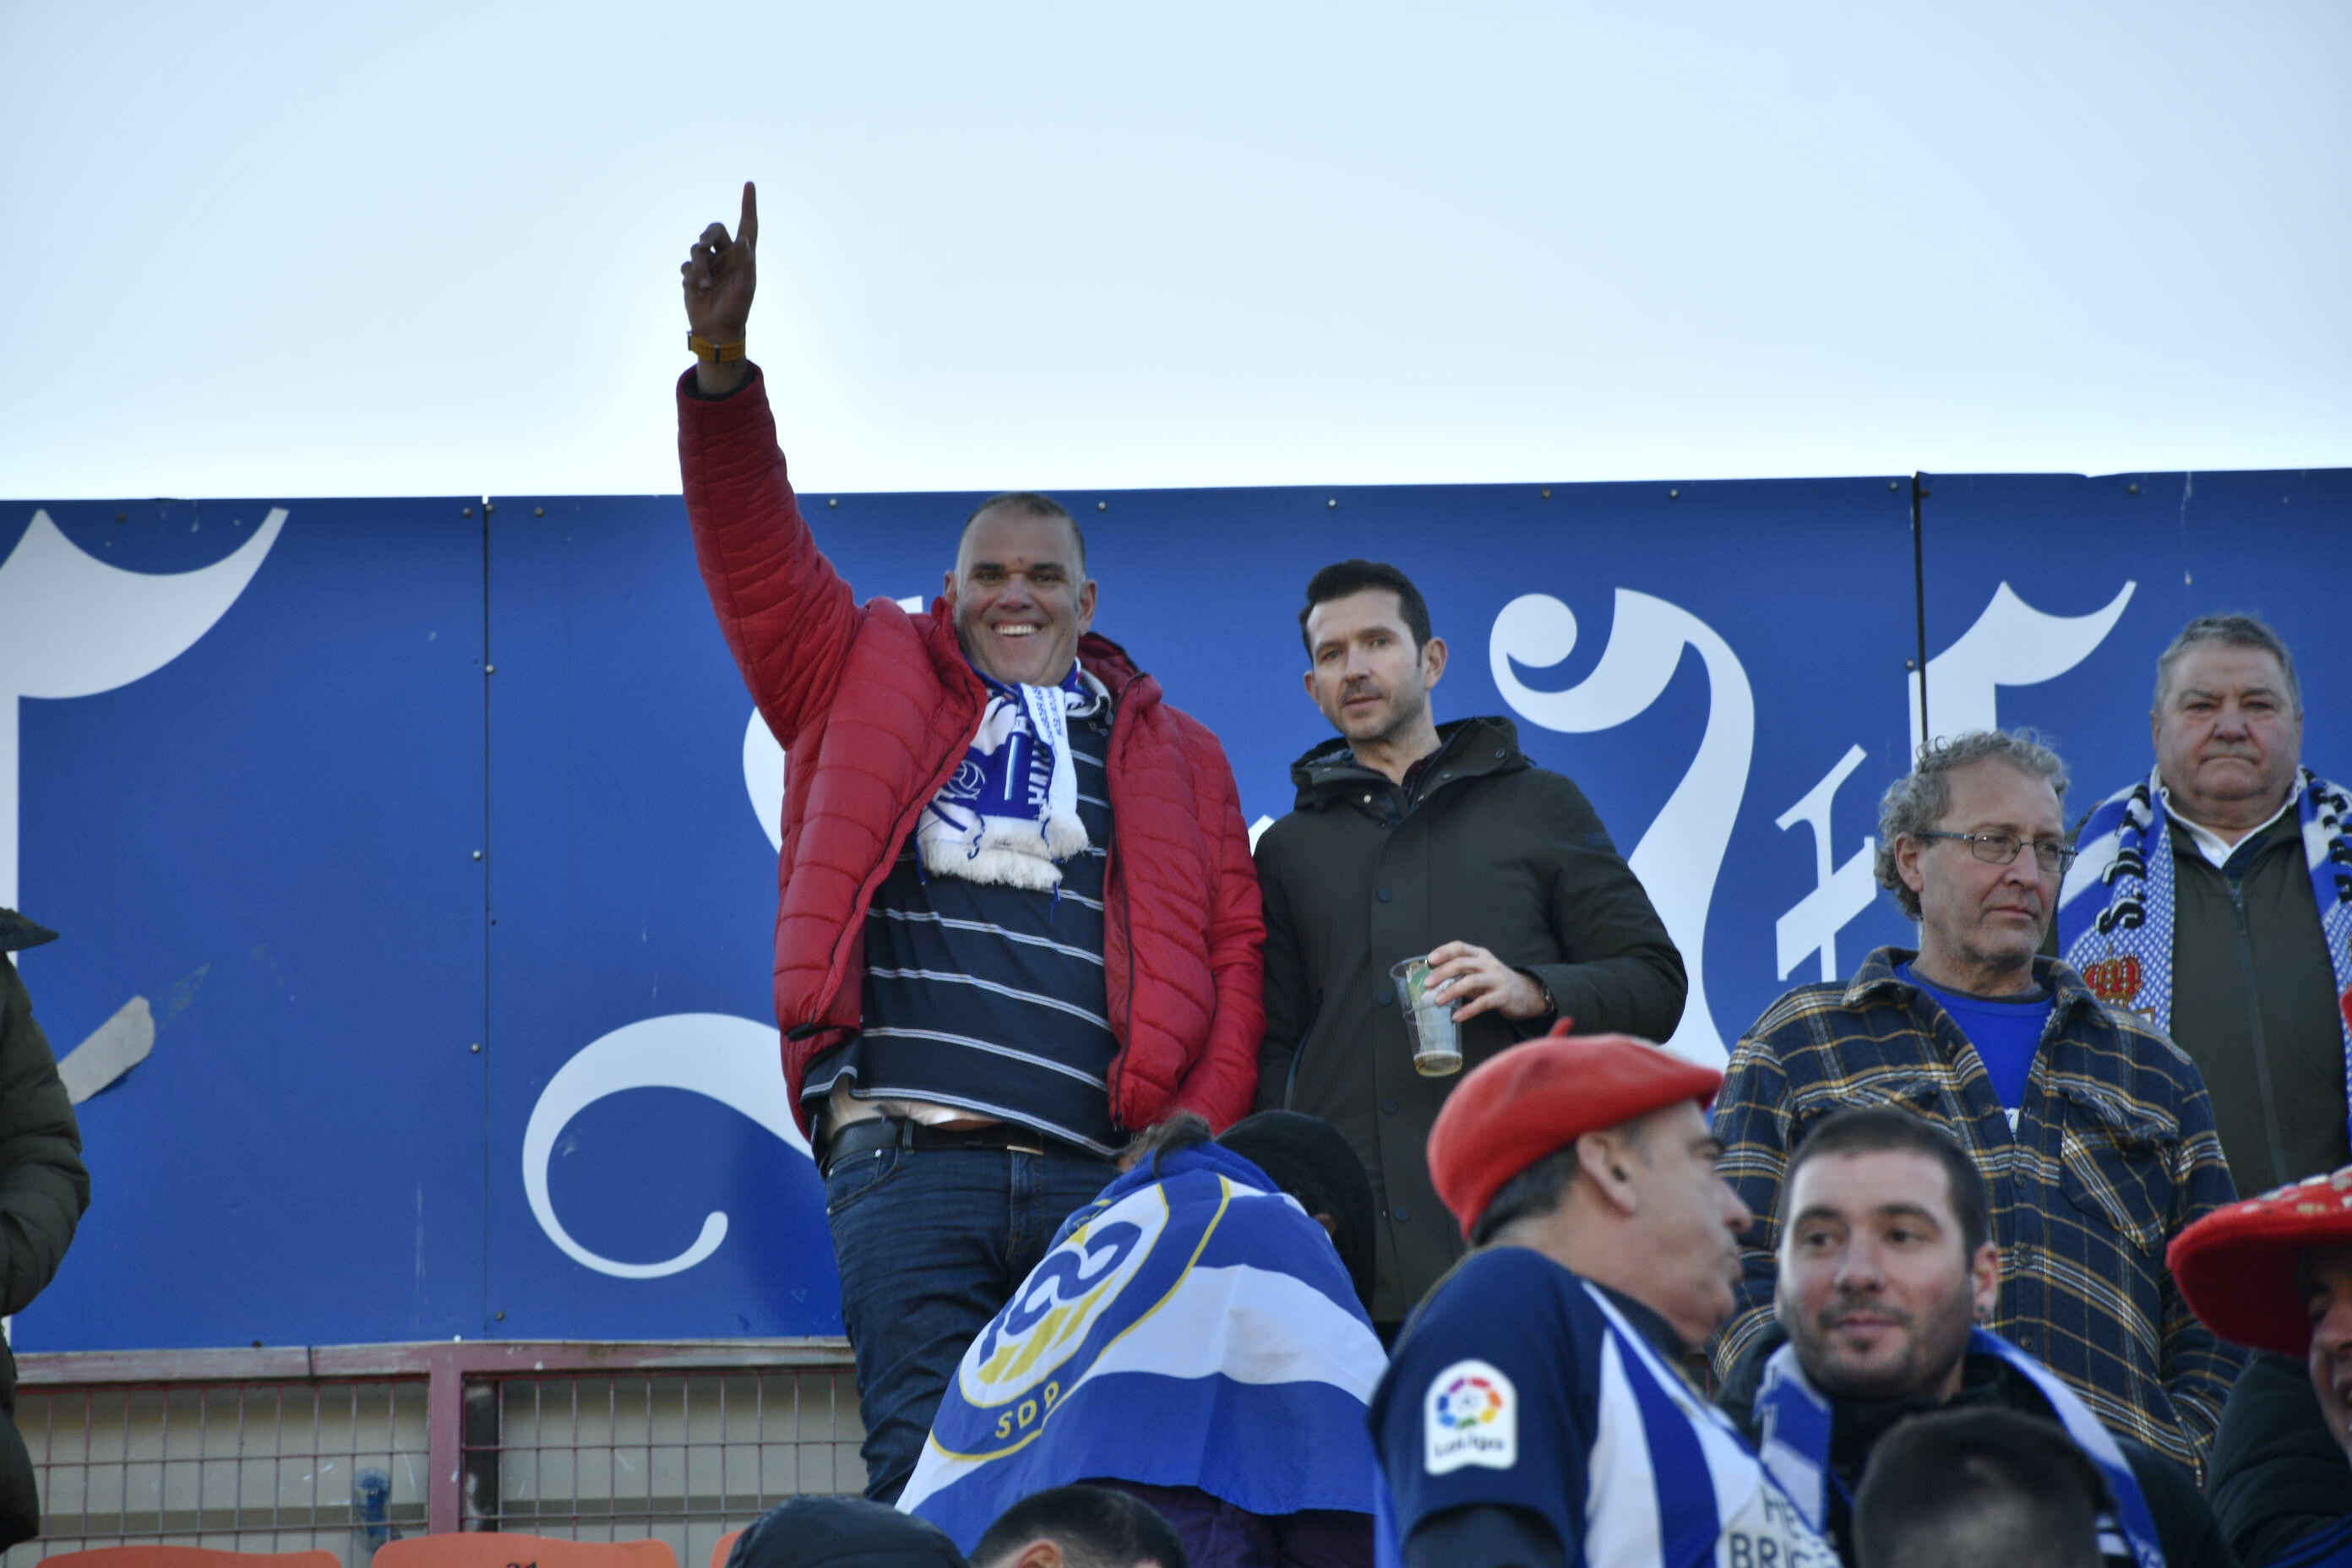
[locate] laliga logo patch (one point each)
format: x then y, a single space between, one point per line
1048 1322
1471 1417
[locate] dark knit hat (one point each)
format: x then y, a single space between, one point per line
1308 1159
1513 1109
2238 1268
837 1531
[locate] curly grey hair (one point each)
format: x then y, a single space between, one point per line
1915 803
2229 630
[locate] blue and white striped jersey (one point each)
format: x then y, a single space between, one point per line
1521 1384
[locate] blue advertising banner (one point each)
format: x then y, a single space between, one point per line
2052 596
247 772
255 748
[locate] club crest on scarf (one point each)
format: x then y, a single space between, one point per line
1011 809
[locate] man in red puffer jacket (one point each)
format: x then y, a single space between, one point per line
1018 916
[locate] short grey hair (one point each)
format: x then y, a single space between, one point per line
2230 629
1915 803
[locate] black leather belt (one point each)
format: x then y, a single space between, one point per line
877 1132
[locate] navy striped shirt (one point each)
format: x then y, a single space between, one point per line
990 997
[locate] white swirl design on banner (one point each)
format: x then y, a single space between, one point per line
2011 643
732 1060
1839 892
763 778
73 626
1682 854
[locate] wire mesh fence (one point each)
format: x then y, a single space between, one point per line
682 1444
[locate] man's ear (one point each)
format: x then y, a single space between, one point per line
1906 861
948 588
1984 1281
1432 662
1087 607
1608 1162
1042 1553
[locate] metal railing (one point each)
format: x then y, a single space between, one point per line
343 1448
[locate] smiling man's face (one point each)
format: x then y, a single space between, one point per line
1877 1288
1021 597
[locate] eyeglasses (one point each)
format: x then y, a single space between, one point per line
2001 848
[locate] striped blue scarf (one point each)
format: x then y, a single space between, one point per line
1794 1431
1011 809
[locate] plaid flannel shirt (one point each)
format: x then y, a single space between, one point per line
2114 1153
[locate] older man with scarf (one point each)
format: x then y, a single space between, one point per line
2214 898
1017 917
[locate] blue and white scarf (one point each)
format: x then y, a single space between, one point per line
1793 1440
1010 810
2122 945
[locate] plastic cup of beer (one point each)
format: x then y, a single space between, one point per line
1428 1021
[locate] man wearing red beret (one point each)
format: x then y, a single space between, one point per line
1534 1413
2275 1273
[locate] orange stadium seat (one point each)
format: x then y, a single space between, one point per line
490 1548
190 1557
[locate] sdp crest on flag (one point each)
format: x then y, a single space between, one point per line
1008 1373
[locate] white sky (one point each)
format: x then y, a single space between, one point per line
258 250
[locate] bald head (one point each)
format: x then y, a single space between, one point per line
1025 504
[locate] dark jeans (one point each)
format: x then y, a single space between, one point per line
931 1244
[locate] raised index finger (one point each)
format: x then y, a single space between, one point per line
747 229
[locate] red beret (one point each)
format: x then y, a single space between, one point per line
1516 1108
2238 1268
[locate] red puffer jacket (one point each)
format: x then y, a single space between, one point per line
875 707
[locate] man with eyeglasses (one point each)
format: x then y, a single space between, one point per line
2214 898
2094 1132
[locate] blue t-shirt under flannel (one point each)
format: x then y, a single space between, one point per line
2005 1030
992 997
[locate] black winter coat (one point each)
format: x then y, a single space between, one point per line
44 1188
1488 850
2276 1476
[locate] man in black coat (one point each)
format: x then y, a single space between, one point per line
1408 838
1886 1267
44 1187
